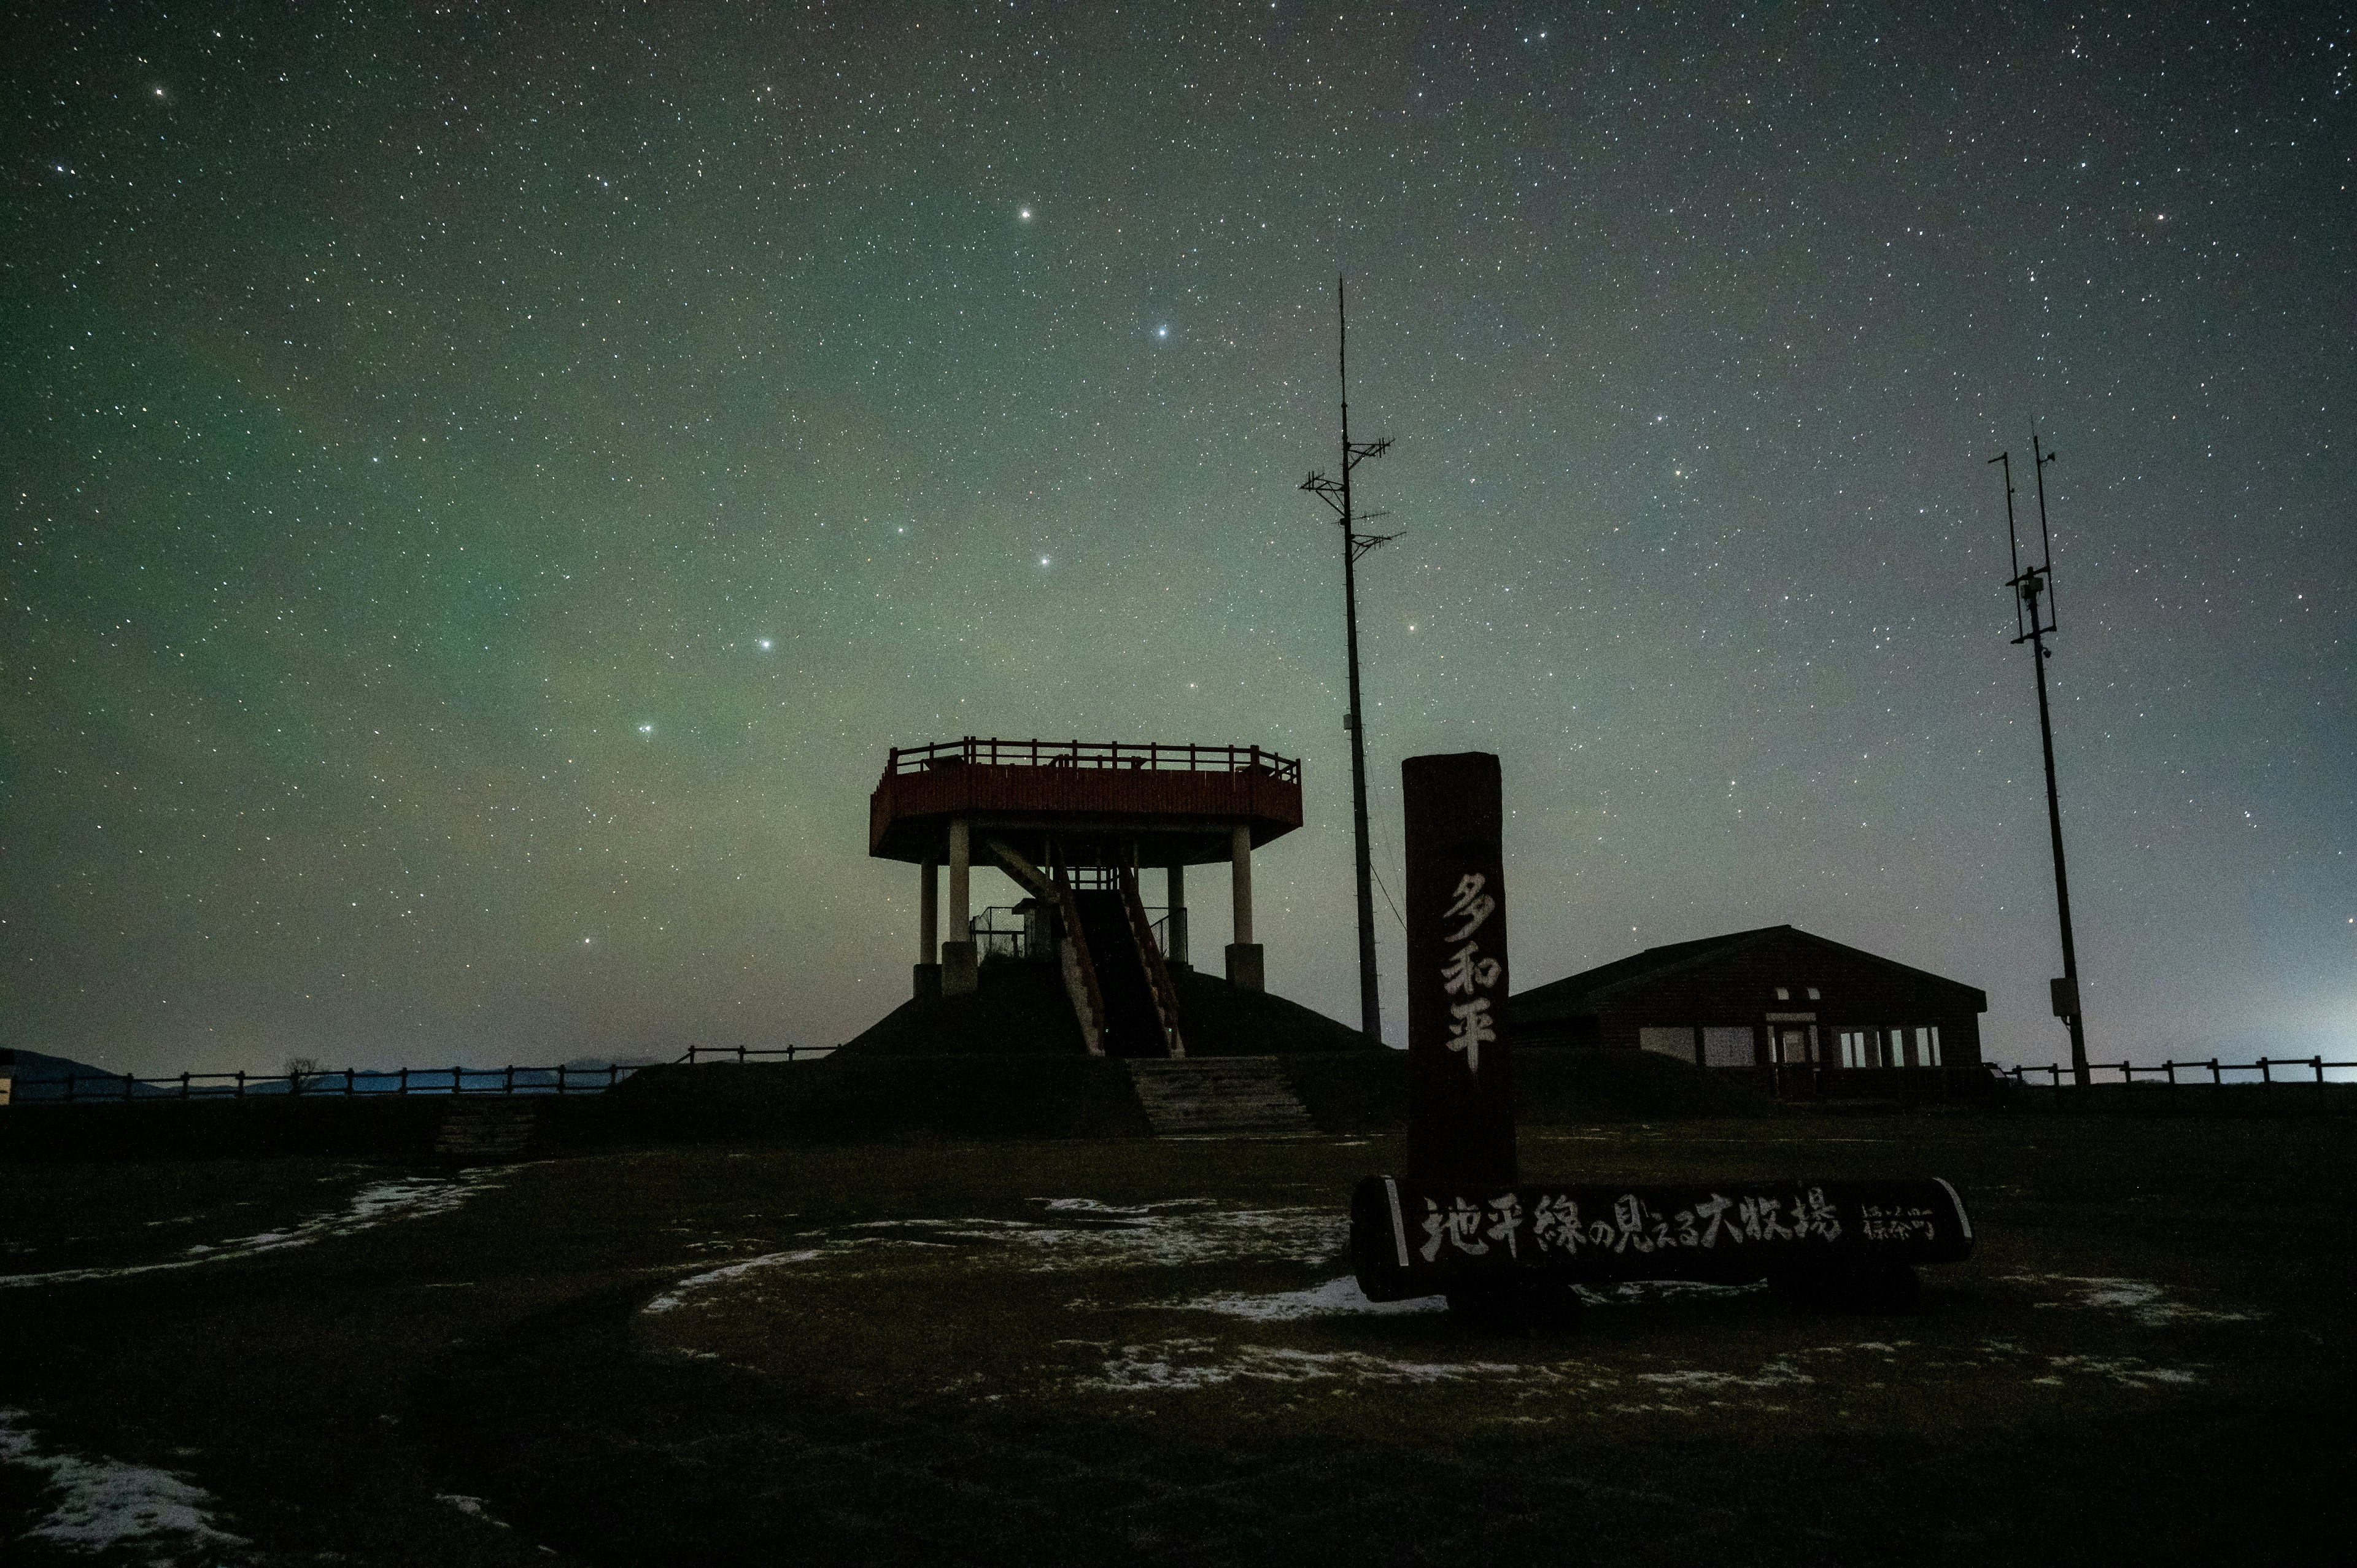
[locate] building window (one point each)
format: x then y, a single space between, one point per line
1675 1041
1813 995
1894 1048
1927 1046
1783 993
1729 1047
1857 1048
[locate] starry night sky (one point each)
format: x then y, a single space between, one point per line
486 487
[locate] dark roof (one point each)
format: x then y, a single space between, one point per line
1578 995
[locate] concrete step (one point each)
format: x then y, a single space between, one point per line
1212 1096
481 1132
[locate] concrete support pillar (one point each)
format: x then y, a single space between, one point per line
1175 895
928 912
1240 880
959 972
1244 966
929 930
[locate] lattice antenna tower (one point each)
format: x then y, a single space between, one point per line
2033 619
1336 494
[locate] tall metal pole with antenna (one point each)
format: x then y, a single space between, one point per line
1336 493
2033 617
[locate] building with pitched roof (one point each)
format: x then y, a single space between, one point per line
1773 998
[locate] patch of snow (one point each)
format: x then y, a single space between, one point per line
2127 1371
107 1505
404 1198
1183 1365
1637 1292
1774 1375
1333 1298
677 1296
1151 1235
2147 1304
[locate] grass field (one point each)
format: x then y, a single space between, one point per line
1086 1351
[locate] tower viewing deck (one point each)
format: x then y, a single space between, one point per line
1074 822
1106 802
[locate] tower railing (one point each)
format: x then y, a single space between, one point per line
1142 756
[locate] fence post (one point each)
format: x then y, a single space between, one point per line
184 1083
2317 1063
405 1080
560 1080
2268 1077
241 1083
2216 1079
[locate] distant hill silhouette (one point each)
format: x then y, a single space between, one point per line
40 1075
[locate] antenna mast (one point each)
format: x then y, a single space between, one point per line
1336 494
2033 619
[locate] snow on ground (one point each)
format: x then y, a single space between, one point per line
1074 1233
1180 1365
1081 1232
107 1505
677 1296
380 1203
2147 1304
2126 1371
1335 1297
1774 1375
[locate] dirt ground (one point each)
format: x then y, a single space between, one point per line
1073 1351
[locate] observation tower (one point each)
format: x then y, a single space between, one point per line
1073 822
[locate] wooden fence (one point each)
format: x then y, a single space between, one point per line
2308 1073
353 1083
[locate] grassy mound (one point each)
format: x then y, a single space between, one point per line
884 1098
1021 1009
1217 1020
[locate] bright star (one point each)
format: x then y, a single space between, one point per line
1162 332
762 643
1025 215
1043 560
646 730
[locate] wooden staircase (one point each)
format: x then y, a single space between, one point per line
1219 1097
486 1132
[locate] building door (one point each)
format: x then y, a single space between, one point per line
1794 1044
